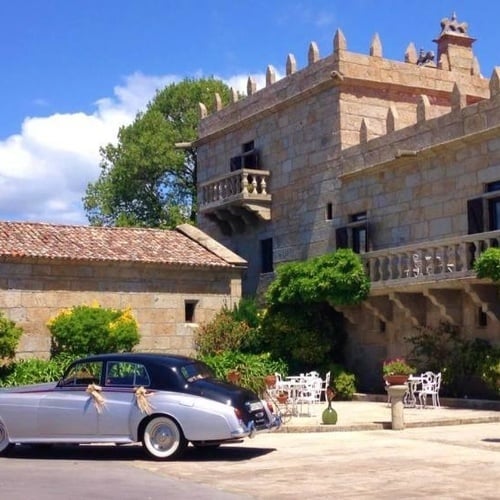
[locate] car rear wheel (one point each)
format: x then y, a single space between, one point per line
5 444
163 438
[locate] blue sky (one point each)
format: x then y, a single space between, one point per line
73 71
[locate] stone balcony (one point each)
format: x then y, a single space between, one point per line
432 272
236 200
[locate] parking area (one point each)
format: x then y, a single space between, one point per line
356 459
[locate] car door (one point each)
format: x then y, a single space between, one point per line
71 410
121 413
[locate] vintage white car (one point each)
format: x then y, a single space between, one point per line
164 401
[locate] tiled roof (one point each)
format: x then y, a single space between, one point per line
88 243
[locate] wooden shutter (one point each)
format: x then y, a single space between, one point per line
341 237
475 217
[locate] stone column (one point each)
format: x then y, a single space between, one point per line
396 392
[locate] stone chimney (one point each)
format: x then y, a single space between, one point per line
454 46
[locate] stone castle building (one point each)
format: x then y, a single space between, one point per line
399 160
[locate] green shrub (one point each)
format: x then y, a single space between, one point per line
223 333
343 383
463 363
9 337
85 330
488 264
252 368
338 278
35 371
308 338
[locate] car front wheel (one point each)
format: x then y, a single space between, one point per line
163 438
5 444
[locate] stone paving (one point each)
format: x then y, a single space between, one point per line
431 458
372 415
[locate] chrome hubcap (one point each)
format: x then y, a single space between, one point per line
162 438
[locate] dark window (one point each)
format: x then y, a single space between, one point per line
235 163
248 146
359 232
329 211
266 254
355 234
189 308
482 317
249 158
494 213
342 237
493 186
475 215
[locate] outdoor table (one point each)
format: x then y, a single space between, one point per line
410 398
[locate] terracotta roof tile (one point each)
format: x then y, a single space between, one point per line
26 239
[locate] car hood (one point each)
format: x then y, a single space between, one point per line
47 386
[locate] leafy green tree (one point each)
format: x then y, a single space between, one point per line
145 179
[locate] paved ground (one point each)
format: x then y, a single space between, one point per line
432 459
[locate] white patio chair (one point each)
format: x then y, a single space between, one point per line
416 266
431 383
324 386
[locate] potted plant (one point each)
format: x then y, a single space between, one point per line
282 397
396 371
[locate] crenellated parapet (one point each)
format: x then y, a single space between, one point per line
418 74
464 122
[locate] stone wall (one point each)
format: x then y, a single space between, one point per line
32 292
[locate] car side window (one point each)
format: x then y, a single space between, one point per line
124 373
83 374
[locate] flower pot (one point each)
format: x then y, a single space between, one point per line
396 379
282 398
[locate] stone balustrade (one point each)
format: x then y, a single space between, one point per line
438 259
240 184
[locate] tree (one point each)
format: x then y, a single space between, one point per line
145 179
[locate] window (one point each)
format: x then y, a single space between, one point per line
247 147
124 373
359 240
355 234
329 211
483 213
249 158
83 374
482 317
266 256
189 309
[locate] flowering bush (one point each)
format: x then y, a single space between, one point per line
397 366
93 329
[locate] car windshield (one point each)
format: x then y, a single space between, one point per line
196 371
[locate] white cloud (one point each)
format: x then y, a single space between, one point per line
46 167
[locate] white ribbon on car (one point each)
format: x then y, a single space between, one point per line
141 398
95 391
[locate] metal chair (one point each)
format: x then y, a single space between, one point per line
431 383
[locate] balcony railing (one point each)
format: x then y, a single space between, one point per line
245 188
438 259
